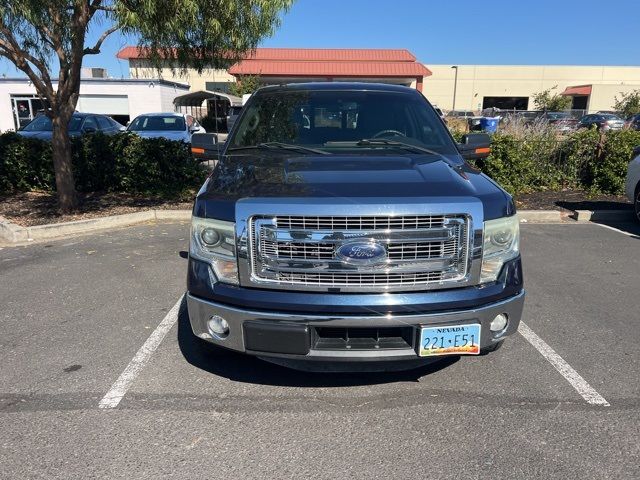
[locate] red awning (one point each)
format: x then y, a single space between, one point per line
579 90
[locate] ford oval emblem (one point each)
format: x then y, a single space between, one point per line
362 252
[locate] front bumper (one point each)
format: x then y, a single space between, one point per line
294 331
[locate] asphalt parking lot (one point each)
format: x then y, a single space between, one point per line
75 313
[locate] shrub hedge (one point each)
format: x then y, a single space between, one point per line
119 163
532 160
538 160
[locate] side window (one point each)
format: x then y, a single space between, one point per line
90 123
104 123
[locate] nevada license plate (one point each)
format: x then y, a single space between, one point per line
450 340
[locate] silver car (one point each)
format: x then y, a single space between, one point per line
172 126
633 182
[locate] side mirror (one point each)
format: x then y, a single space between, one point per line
205 146
475 146
636 151
89 130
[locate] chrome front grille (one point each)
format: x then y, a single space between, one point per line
404 222
421 251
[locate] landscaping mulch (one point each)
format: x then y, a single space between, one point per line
39 208
570 200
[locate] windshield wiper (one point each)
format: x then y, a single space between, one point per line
365 142
281 146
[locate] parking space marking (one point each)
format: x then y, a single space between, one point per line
577 382
137 363
628 234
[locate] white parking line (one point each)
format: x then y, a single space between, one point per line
128 376
628 234
580 384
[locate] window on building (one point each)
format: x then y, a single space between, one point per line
506 103
218 86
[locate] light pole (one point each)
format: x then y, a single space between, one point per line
455 87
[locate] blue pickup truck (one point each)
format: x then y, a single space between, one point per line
342 227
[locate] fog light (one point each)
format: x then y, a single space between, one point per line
499 323
218 327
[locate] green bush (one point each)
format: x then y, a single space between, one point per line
119 163
525 161
609 169
524 165
538 161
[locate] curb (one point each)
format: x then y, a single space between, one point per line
603 215
542 216
12 233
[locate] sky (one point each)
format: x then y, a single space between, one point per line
512 32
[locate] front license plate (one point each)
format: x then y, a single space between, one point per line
450 340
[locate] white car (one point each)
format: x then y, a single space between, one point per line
172 126
633 182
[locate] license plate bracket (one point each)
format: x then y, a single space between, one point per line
449 340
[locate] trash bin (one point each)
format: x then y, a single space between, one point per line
489 124
474 124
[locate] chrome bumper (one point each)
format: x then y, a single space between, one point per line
201 310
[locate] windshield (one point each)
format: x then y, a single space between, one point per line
332 120
146 123
42 123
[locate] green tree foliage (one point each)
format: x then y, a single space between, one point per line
550 101
245 84
47 39
628 104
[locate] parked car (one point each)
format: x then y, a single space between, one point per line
633 122
369 242
80 124
602 121
172 126
561 121
461 114
633 182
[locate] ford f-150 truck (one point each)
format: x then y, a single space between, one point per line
343 226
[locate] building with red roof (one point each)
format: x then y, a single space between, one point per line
286 65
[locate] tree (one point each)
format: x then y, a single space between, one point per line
628 104
551 102
245 84
47 39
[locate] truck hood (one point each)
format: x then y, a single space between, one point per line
344 176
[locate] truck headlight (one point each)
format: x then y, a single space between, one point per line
214 242
501 244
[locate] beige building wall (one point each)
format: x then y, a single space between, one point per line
602 96
141 69
478 81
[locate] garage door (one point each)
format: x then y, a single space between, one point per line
106 104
